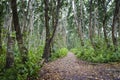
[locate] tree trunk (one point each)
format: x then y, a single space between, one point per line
1 20
104 24
19 38
24 21
79 24
115 18
49 39
31 18
47 44
90 25
10 44
10 52
119 23
0 38
81 21
104 29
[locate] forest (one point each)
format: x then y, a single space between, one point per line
59 39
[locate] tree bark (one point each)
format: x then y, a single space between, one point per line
115 18
79 24
10 44
119 23
47 44
0 38
90 25
24 21
10 52
104 24
1 19
19 38
49 39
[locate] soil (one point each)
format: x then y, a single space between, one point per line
70 68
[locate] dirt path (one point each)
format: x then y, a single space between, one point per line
70 68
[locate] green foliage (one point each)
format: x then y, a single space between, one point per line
75 50
100 54
22 71
8 74
59 53
2 61
13 34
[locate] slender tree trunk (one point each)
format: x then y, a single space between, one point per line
104 29
119 23
1 19
47 44
115 18
79 27
19 38
31 17
10 52
65 35
24 21
0 38
104 24
90 25
10 44
81 23
96 21
49 39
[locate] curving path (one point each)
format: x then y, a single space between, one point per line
70 68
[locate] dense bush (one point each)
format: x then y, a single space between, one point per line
22 71
100 54
30 69
59 53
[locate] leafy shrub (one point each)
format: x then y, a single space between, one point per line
59 53
22 71
100 54
74 50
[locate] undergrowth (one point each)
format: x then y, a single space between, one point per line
59 53
27 71
101 54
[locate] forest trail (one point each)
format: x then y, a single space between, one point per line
70 68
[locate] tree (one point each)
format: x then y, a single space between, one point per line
115 24
19 38
78 21
50 36
10 52
24 27
105 16
90 25
0 33
119 23
10 40
1 24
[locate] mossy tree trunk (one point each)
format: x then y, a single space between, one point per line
115 24
19 37
50 36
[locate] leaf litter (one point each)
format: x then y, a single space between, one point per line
70 68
